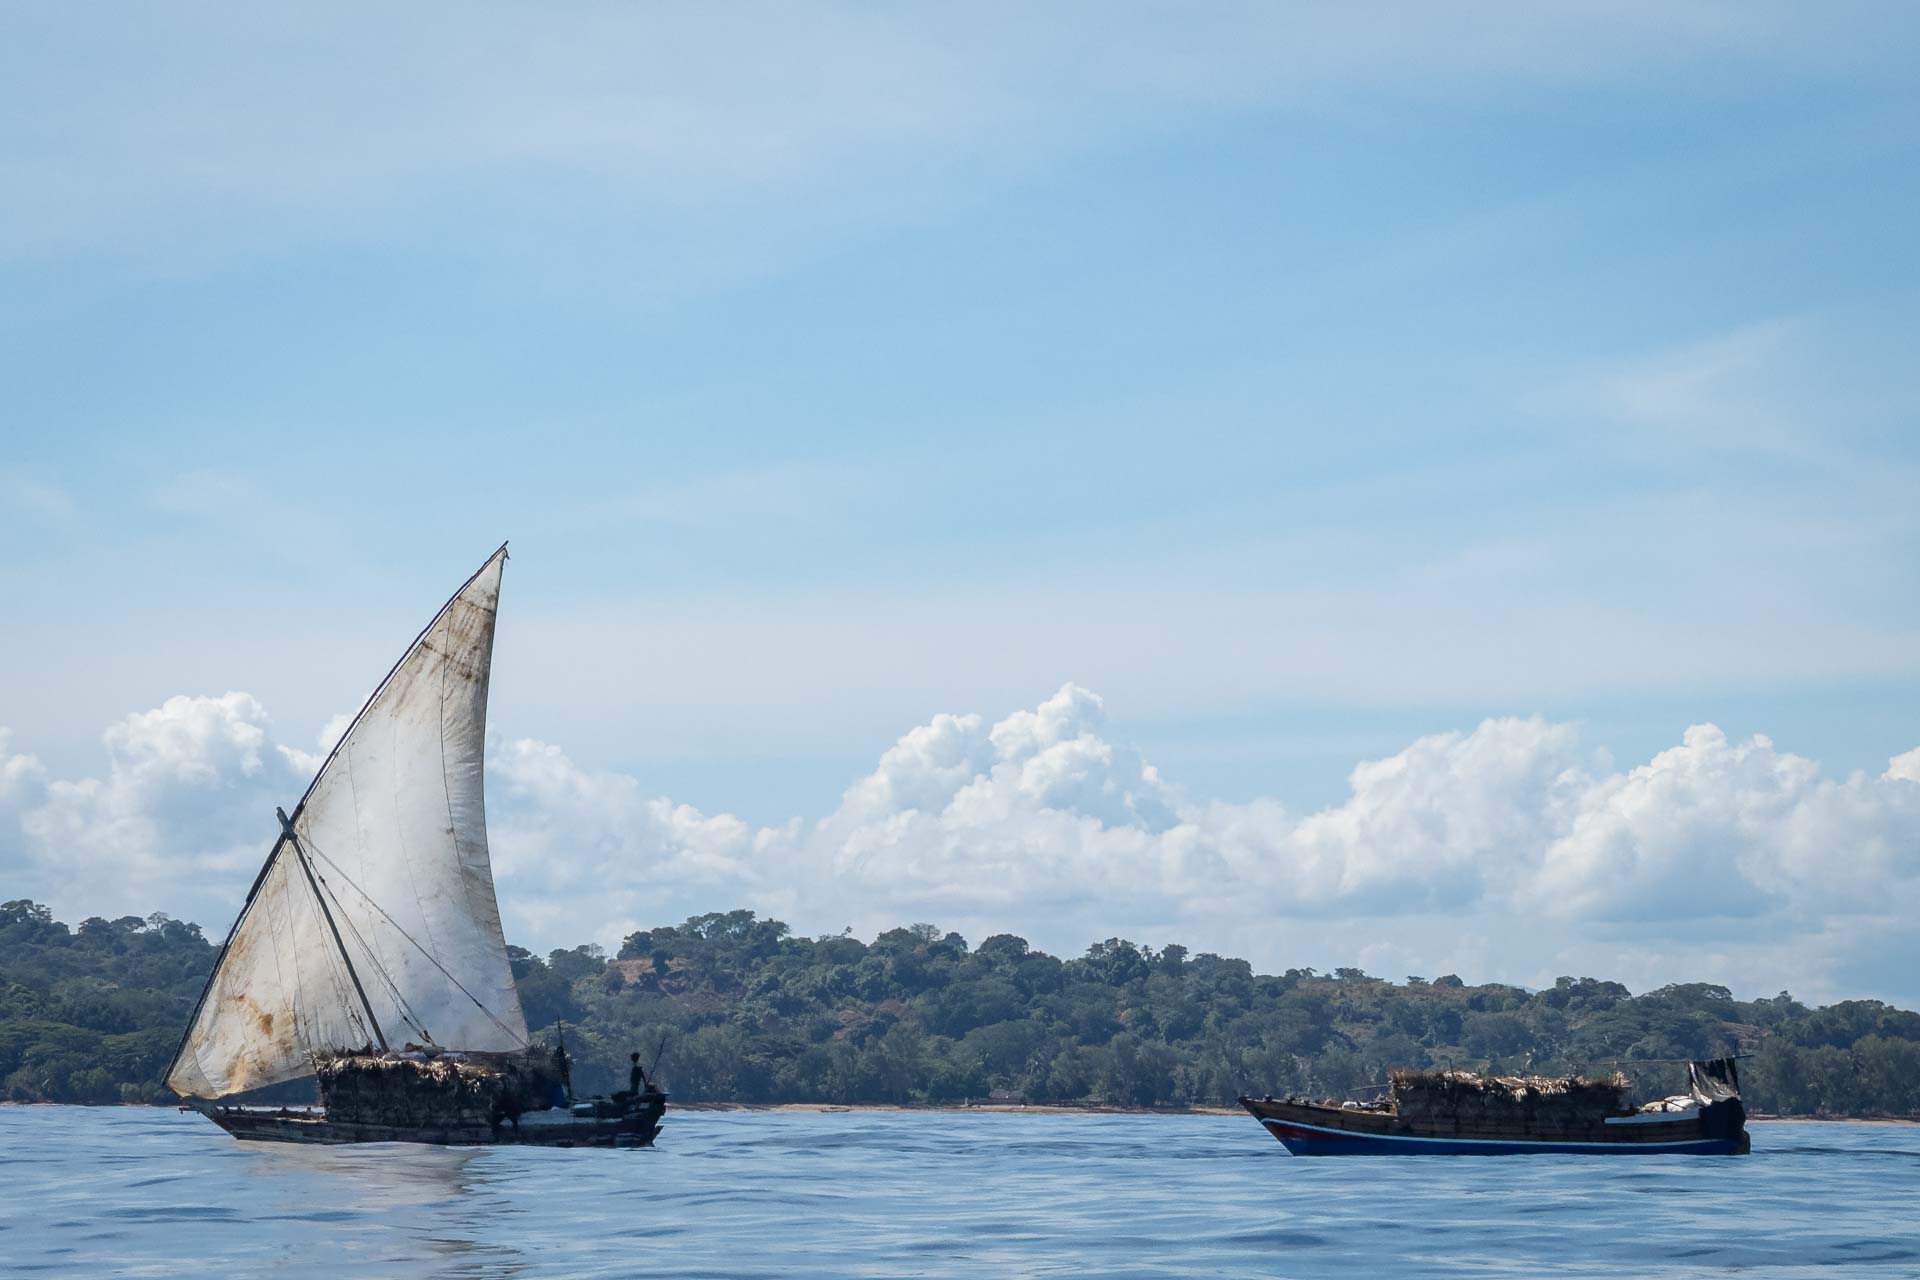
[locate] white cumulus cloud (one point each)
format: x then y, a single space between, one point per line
309 762
1513 850
186 784
1513 846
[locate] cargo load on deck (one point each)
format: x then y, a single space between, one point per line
1469 1096
437 1090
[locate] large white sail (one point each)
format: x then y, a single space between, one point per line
376 915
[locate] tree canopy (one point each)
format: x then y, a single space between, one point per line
740 1009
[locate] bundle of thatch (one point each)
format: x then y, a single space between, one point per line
419 1090
1468 1096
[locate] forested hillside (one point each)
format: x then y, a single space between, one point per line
741 1010
93 1014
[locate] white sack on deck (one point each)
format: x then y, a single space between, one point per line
396 817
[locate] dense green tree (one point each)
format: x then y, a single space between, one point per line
738 1009
93 1014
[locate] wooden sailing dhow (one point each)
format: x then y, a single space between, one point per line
1468 1114
369 951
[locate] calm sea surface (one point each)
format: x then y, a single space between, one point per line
139 1192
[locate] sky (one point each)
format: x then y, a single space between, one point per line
1427 487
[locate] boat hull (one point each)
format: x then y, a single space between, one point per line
1308 1129
637 1128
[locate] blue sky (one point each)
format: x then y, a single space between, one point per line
1304 381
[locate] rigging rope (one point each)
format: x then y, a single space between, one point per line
400 1002
399 929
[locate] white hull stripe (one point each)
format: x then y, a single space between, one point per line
1655 1117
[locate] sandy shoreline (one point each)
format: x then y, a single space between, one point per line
1014 1108
1895 1120
998 1108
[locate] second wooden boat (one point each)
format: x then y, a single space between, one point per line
1463 1113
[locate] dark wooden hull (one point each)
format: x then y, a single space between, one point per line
1311 1129
636 1128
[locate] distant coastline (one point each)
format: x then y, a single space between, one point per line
731 1010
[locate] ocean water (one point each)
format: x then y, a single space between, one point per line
153 1192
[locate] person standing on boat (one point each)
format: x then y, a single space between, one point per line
636 1077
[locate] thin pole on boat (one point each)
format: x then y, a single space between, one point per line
657 1053
321 898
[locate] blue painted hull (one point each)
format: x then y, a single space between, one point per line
1316 1129
1302 1142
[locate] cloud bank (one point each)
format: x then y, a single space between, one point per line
1512 850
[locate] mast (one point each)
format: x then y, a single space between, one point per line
333 928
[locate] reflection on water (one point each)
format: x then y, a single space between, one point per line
430 1195
366 1177
157 1193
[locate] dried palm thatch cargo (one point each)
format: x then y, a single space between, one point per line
1464 1113
436 1090
1465 1095
375 915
